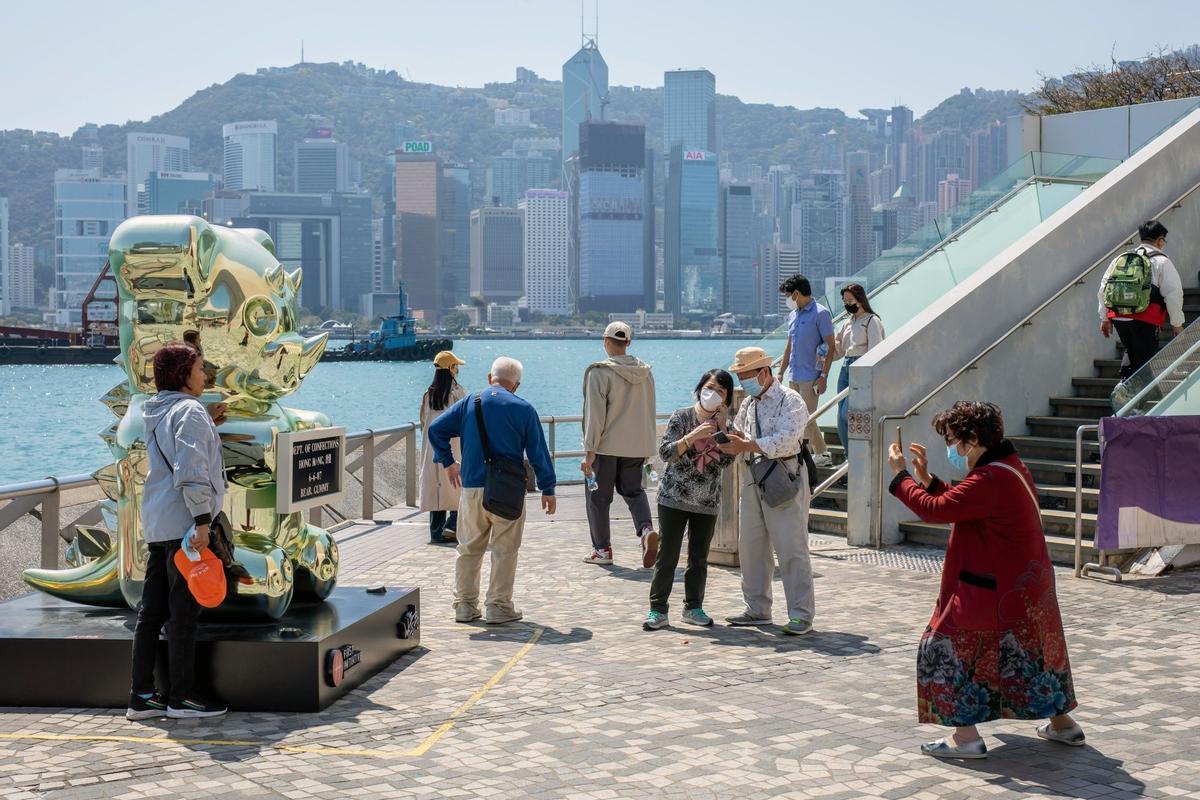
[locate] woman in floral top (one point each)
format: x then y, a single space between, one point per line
995 647
689 496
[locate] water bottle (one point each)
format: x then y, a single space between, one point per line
590 482
651 474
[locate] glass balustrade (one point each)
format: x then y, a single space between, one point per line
1167 385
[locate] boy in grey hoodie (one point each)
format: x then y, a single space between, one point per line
618 437
185 488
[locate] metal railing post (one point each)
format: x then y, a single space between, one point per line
368 476
1083 570
50 528
552 438
410 467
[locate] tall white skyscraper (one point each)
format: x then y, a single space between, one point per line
5 306
152 152
18 291
249 163
87 209
546 268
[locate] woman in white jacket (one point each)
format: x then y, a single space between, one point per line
439 497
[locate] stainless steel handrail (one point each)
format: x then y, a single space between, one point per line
1083 570
970 363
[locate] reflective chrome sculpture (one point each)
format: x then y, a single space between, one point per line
175 275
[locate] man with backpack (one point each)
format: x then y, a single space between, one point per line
1139 293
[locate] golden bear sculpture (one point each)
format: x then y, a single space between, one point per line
179 275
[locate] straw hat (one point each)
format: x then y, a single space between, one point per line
446 359
749 358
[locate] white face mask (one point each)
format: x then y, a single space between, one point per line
710 400
792 304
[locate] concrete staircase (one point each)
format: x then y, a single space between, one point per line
1048 450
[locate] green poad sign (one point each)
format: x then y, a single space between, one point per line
417 147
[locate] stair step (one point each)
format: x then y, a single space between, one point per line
1064 497
1062 548
1058 472
833 498
1092 408
1060 427
828 521
1107 367
1094 387
1055 447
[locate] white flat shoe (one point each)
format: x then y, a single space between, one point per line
943 748
1072 736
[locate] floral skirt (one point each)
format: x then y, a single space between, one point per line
977 676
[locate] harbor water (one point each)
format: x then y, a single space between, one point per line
51 414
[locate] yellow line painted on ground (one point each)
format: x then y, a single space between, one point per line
420 750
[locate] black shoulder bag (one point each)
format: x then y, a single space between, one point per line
504 481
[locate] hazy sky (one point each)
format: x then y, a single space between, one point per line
66 62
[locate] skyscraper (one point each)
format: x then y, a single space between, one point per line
454 221
152 152
945 152
87 209
322 165
819 221
584 94
693 279
249 155
418 201
899 153
779 261
690 110
860 245
611 263
951 191
176 192
18 291
738 250
497 261
546 269
5 293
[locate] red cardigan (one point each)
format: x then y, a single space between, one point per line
996 537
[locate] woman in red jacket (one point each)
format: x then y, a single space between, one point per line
995 647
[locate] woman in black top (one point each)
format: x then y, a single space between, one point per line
689 497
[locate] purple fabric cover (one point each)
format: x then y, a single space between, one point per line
1152 463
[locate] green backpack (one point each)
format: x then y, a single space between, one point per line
1130 285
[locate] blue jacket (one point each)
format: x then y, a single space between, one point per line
513 429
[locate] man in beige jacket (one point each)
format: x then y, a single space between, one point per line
618 437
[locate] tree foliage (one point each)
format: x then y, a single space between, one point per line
1159 76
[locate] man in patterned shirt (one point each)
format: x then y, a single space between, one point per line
770 424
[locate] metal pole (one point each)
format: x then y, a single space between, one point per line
410 467
50 507
552 437
368 476
1079 498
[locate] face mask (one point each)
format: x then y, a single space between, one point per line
751 386
792 304
957 460
852 308
710 400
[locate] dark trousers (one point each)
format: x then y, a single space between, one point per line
671 525
1140 340
442 521
625 476
165 599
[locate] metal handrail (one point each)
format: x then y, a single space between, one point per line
1083 570
1176 364
970 363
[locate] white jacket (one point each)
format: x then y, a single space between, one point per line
1163 275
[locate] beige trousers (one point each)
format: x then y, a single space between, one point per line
478 531
808 390
766 533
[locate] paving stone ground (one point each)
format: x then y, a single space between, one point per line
593 707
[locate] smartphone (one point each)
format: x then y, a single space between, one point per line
900 439
721 437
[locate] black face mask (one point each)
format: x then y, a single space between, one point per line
852 308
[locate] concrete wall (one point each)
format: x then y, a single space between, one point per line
1106 132
1040 360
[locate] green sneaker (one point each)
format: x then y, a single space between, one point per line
797 627
654 621
696 616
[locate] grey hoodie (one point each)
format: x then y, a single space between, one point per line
618 408
186 481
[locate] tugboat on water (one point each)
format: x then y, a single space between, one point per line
395 340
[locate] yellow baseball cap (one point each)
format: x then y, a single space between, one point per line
446 359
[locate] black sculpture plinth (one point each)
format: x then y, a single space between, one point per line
64 655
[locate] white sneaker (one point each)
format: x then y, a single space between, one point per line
823 460
599 556
465 612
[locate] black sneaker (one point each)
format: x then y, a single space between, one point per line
151 707
195 708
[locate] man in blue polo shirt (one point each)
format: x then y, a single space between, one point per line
514 432
809 326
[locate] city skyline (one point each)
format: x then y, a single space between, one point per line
629 36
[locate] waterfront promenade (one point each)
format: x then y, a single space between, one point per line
578 701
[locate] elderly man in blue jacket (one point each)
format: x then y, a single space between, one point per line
514 432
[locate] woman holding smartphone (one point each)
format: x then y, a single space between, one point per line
689 495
